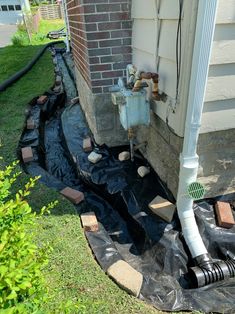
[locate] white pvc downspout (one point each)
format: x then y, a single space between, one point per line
66 25
189 159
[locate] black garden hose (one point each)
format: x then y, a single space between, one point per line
25 69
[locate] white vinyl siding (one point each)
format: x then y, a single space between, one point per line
154 49
151 28
219 107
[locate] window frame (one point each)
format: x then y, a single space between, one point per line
18 7
5 6
11 7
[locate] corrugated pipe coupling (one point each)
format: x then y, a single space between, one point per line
221 270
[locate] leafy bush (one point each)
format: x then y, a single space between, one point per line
20 39
39 37
22 287
21 27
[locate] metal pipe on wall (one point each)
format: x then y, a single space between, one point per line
66 25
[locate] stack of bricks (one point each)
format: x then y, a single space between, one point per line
101 33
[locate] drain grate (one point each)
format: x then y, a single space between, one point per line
196 191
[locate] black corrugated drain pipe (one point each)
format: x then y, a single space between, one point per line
28 67
221 270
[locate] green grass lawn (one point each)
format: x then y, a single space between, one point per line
10 64
20 38
45 27
76 282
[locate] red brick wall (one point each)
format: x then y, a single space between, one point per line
78 37
101 40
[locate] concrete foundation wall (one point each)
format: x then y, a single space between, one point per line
162 151
216 152
102 116
217 162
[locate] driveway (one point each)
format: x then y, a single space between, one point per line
6 32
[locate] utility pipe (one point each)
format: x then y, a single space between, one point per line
146 76
189 159
66 26
135 77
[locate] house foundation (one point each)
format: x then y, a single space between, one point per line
102 116
217 162
102 37
216 149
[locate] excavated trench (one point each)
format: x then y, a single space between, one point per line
119 197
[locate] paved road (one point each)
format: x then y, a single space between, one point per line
6 32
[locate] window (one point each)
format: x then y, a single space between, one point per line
4 7
17 7
11 8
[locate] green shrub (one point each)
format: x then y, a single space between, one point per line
20 39
21 27
22 288
39 37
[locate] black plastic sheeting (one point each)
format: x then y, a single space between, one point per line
120 198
